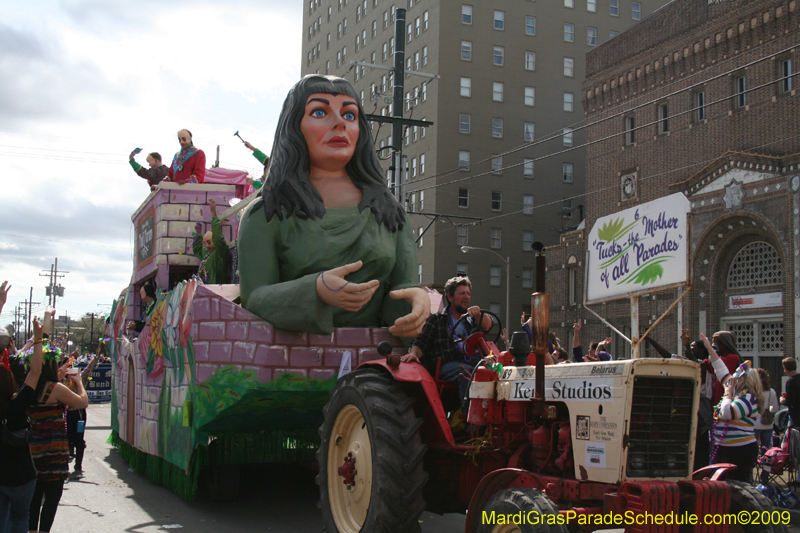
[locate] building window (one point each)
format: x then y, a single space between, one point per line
422 162
530 60
344 55
419 274
497 56
463 123
425 21
328 44
499 20
497 200
421 200
569 67
612 34
740 90
527 278
630 130
568 100
566 208
410 30
414 167
462 235
663 118
466 50
567 136
339 31
591 36
494 276
527 135
424 58
527 241
530 96
527 204
614 8
463 159
391 46
567 172
374 28
569 32
461 269
358 43
338 59
527 168
329 13
327 67
636 10
699 98
569 3
358 13
419 237
416 60
497 91
591 6
786 75
466 14
417 27
497 164
573 286
385 19
466 87
463 198
383 52
530 25
497 128
496 240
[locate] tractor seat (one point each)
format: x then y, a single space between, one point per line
442 384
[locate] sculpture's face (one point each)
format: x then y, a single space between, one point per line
330 127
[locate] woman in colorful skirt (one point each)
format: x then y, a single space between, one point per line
49 446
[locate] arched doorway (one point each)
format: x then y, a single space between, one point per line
753 288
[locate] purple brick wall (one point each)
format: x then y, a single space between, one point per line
227 335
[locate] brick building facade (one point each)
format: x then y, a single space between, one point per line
699 98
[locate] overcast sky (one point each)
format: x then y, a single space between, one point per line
86 81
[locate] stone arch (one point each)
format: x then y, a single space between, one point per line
712 256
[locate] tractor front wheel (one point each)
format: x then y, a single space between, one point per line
759 510
370 457
533 510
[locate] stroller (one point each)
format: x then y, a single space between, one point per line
778 466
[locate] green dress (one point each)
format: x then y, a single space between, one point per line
213 266
279 263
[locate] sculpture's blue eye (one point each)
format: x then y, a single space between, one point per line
350 116
318 113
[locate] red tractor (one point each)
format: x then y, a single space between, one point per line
579 447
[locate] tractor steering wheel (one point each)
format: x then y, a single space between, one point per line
476 329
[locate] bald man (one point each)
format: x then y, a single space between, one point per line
188 165
213 251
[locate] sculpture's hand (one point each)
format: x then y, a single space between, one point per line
411 324
334 290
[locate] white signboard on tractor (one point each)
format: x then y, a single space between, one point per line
639 250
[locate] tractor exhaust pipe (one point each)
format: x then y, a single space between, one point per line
540 321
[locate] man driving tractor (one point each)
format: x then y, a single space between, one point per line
443 334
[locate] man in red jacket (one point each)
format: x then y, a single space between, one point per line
188 165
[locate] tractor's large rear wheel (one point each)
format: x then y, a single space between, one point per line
371 430
760 512
520 510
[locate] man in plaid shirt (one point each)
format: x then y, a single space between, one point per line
438 338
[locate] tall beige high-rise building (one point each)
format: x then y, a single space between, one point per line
502 146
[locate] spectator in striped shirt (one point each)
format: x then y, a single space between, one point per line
733 435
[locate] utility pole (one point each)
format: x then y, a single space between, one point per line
53 290
396 120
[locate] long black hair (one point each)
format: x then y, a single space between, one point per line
288 186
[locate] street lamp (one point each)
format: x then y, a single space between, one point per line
507 262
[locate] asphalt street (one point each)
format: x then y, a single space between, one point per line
113 498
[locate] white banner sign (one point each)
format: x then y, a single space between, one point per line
639 250
752 301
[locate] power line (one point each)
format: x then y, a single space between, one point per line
608 137
62 241
577 127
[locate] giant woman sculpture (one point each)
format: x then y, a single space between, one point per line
326 244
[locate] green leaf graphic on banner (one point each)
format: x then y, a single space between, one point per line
648 272
610 230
